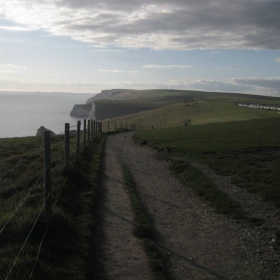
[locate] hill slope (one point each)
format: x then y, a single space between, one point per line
196 112
122 102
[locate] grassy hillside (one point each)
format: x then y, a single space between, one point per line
248 151
198 112
114 108
127 102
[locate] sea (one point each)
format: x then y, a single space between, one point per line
21 114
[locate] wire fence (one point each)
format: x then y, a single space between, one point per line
63 153
128 126
62 149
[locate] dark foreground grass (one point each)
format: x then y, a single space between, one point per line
59 244
247 151
145 231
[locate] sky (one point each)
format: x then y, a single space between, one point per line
85 46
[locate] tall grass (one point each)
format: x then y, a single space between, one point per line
58 246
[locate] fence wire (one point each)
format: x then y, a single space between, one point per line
23 200
26 239
38 253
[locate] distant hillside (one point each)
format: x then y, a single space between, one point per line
198 112
122 102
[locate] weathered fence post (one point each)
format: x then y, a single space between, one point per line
47 168
66 145
85 132
78 137
88 124
91 125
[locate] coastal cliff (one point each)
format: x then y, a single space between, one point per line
111 103
81 110
88 110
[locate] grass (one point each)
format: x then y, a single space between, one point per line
204 186
65 250
145 231
196 112
248 151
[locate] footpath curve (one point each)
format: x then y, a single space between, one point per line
198 243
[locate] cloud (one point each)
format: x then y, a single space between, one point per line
150 66
272 84
8 71
277 60
158 25
16 28
117 71
229 68
116 51
13 66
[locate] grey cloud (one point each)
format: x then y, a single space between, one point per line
165 24
270 83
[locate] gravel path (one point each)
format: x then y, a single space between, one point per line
125 257
198 243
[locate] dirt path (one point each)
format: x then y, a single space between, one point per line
125 258
198 243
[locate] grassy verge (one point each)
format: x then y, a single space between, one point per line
58 246
145 231
204 186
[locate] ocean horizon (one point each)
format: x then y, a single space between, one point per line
22 113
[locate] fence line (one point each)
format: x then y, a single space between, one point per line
125 126
91 129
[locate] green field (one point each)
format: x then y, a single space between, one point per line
170 106
197 112
247 151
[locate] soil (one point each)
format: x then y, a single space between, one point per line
197 242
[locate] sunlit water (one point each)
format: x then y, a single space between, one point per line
21 114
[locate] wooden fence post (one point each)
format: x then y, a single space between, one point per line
121 126
91 126
85 133
78 137
115 126
66 145
47 173
88 124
